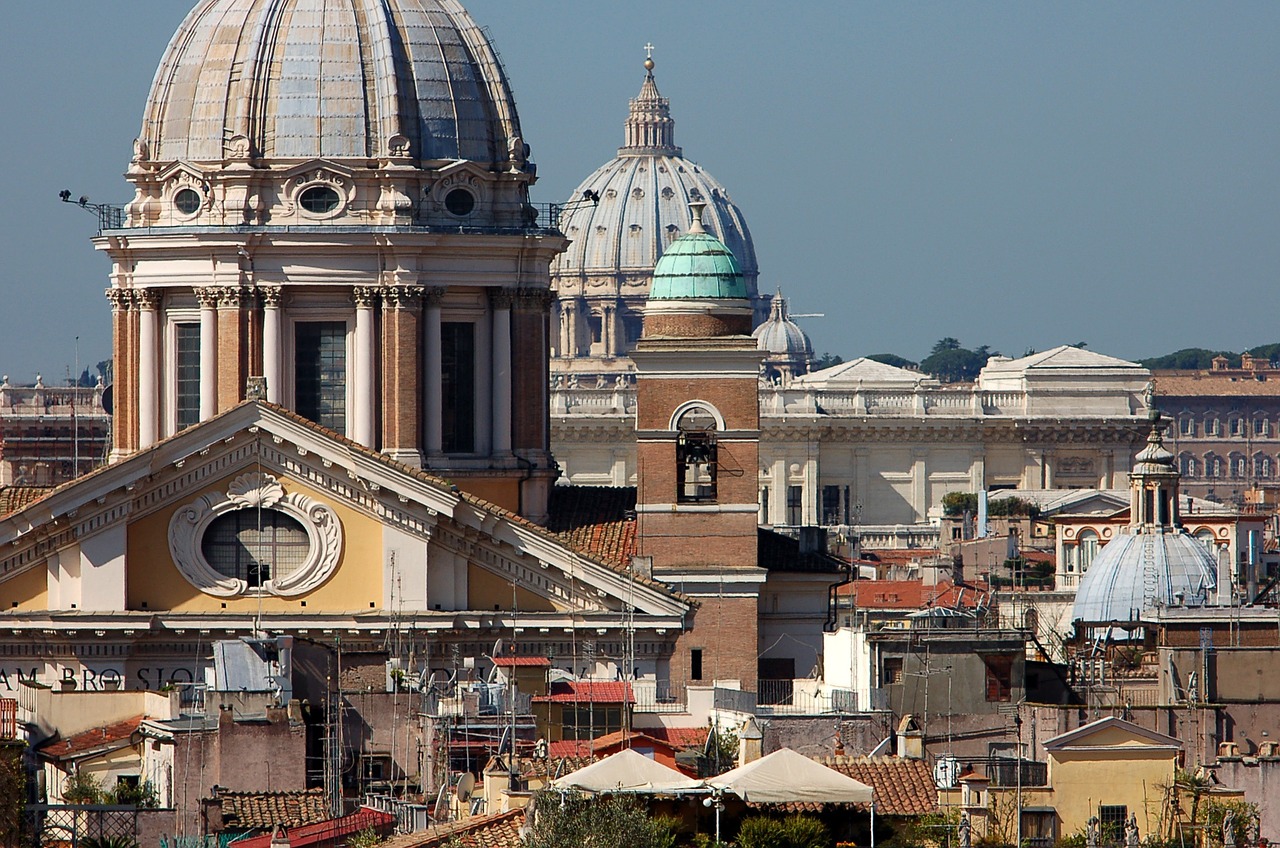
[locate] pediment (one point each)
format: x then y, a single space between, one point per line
318 169
1111 733
270 443
183 171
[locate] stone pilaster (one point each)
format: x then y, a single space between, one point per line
364 367
401 364
232 347
122 429
500 303
272 341
208 299
147 302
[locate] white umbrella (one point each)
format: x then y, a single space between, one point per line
628 771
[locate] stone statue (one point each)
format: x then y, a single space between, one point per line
965 830
620 382
571 382
1251 829
1149 395
1229 828
1091 832
1131 836
602 381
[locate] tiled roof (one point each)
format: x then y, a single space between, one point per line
568 760
501 830
14 498
108 736
522 662
572 692
902 787
597 520
910 594
680 738
1234 383
675 738
328 831
258 810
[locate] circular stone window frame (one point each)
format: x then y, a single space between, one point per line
460 191
177 205
252 491
336 189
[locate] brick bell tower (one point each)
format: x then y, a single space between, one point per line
698 435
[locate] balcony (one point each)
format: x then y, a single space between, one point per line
8 719
1003 772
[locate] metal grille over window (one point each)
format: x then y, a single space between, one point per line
696 457
255 545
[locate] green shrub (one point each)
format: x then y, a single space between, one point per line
792 832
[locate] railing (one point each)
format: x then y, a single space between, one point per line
1003 772
655 696
410 818
69 825
8 718
41 401
785 697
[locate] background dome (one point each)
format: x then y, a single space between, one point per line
645 194
779 334
304 79
1135 573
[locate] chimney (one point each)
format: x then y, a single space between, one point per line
750 742
910 739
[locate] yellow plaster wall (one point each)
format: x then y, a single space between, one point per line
487 591
356 583
27 591
1132 776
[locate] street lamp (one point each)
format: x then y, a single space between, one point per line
715 799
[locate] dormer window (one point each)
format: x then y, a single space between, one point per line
696 457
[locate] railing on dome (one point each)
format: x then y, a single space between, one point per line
531 217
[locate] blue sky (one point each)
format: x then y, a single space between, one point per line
1012 174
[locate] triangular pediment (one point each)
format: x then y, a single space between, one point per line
1111 733
318 169
183 170
213 461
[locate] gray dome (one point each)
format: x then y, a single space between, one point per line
779 334
342 79
1138 572
645 194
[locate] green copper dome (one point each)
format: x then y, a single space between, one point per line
697 266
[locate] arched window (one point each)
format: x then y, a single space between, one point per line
1211 425
1261 465
696 456
1088 548
1260 425
1212 466
1237 466
1031 620
1187 465
1187 425
1235 426
1205 535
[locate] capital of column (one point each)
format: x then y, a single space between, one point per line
233 297
502 298
365 297
433 296
147 299
272 296
120 299
207 297
536 300
402 297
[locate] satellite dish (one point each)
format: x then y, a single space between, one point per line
497 649
466 785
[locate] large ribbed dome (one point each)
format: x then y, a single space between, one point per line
339 79
1141 572
779 334
645 194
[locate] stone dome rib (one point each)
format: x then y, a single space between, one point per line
337 79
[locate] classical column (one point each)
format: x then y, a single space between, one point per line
401 392
363 370
500 301
208 299
432 407
121 433
148 302
272 336
920 483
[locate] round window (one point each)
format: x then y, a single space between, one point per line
319 200
255 545
188 201
460 202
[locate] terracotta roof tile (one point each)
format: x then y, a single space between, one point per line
599 692
902 787
1234 383
522 662
501 830
680 738
14 498
598 520
327 831
91 740
256 810
911 594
